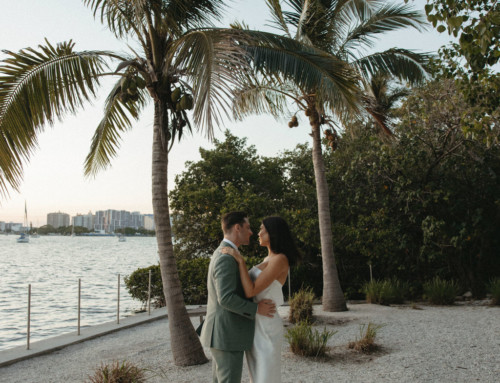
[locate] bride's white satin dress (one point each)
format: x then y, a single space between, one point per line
264 359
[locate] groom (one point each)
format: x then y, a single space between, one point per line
229 325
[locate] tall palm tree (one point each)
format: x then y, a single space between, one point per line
342 29
182 63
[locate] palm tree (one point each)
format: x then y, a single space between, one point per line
182 63
341 29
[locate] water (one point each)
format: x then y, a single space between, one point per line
53 265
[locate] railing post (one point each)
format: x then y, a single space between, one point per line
371 275
118 305
149 294
29 317
79 302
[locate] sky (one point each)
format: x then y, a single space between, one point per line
53 178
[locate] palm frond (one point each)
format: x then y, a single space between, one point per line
182 15
278 19
403 64
117 119
214 64
36 88
121 16
384 19
311 69
261 98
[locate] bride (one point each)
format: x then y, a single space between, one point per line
265 281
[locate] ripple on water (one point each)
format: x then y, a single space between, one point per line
53 265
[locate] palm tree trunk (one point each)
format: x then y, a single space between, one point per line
184 341
333 297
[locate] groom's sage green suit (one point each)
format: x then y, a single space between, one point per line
229 324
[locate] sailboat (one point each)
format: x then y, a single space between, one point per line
24 238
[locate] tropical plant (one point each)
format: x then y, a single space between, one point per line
440 292
494 288
386 292
366 341
340 29
116 372
301 306
181 64
476 23
137 284
305 341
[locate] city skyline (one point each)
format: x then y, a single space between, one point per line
134 219
53 179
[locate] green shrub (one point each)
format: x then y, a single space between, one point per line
367 334
306 342
124 372
301 306
440 292
192 274
137 285
495 291
386 292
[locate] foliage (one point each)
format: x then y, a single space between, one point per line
134 231
441 292
229 177
116 372
192 274
476 23
494 289
386 292
305 341
423 205
301 306
366 342
137 285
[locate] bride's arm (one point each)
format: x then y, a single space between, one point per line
274 269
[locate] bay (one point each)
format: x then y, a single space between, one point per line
53 265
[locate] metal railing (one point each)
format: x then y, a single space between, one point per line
28 329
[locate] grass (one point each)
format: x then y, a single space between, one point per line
389 291
301 306
116 372
494 289
305 341
366 342
440 292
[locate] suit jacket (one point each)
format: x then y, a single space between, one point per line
229 324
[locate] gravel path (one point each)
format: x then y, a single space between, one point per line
430 344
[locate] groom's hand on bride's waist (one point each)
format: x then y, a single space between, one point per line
267 308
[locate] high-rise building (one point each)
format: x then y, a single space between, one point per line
149 222
58 219
110 220
84 220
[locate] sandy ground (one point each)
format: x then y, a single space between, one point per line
430 344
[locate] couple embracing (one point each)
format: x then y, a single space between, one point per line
236 324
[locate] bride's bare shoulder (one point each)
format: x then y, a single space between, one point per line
279 259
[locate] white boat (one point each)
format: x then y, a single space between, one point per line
24 238
122 238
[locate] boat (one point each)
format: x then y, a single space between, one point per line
122 238
24 238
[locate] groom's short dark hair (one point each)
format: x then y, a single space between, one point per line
233 218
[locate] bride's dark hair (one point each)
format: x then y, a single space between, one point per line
280 238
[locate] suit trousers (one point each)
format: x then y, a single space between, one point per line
227 366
